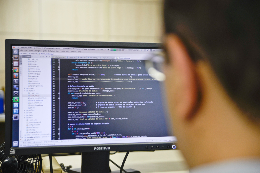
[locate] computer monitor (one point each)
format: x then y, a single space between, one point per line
89 97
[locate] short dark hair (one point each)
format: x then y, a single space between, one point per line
228 32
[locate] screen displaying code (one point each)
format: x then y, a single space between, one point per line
95 98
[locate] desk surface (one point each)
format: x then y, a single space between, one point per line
170 161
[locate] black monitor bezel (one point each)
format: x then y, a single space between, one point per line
66 149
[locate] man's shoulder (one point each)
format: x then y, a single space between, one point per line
230 166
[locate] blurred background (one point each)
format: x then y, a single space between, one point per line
79 20
88 20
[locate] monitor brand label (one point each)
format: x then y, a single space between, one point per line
101 148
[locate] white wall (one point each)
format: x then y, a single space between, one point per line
84 20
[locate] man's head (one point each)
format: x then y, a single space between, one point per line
213 76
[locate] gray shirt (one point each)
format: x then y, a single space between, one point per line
231 166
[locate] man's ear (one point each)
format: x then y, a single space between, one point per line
184 72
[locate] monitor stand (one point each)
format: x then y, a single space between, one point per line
97 162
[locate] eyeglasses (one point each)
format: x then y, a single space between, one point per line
153 66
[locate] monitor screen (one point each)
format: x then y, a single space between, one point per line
67 96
